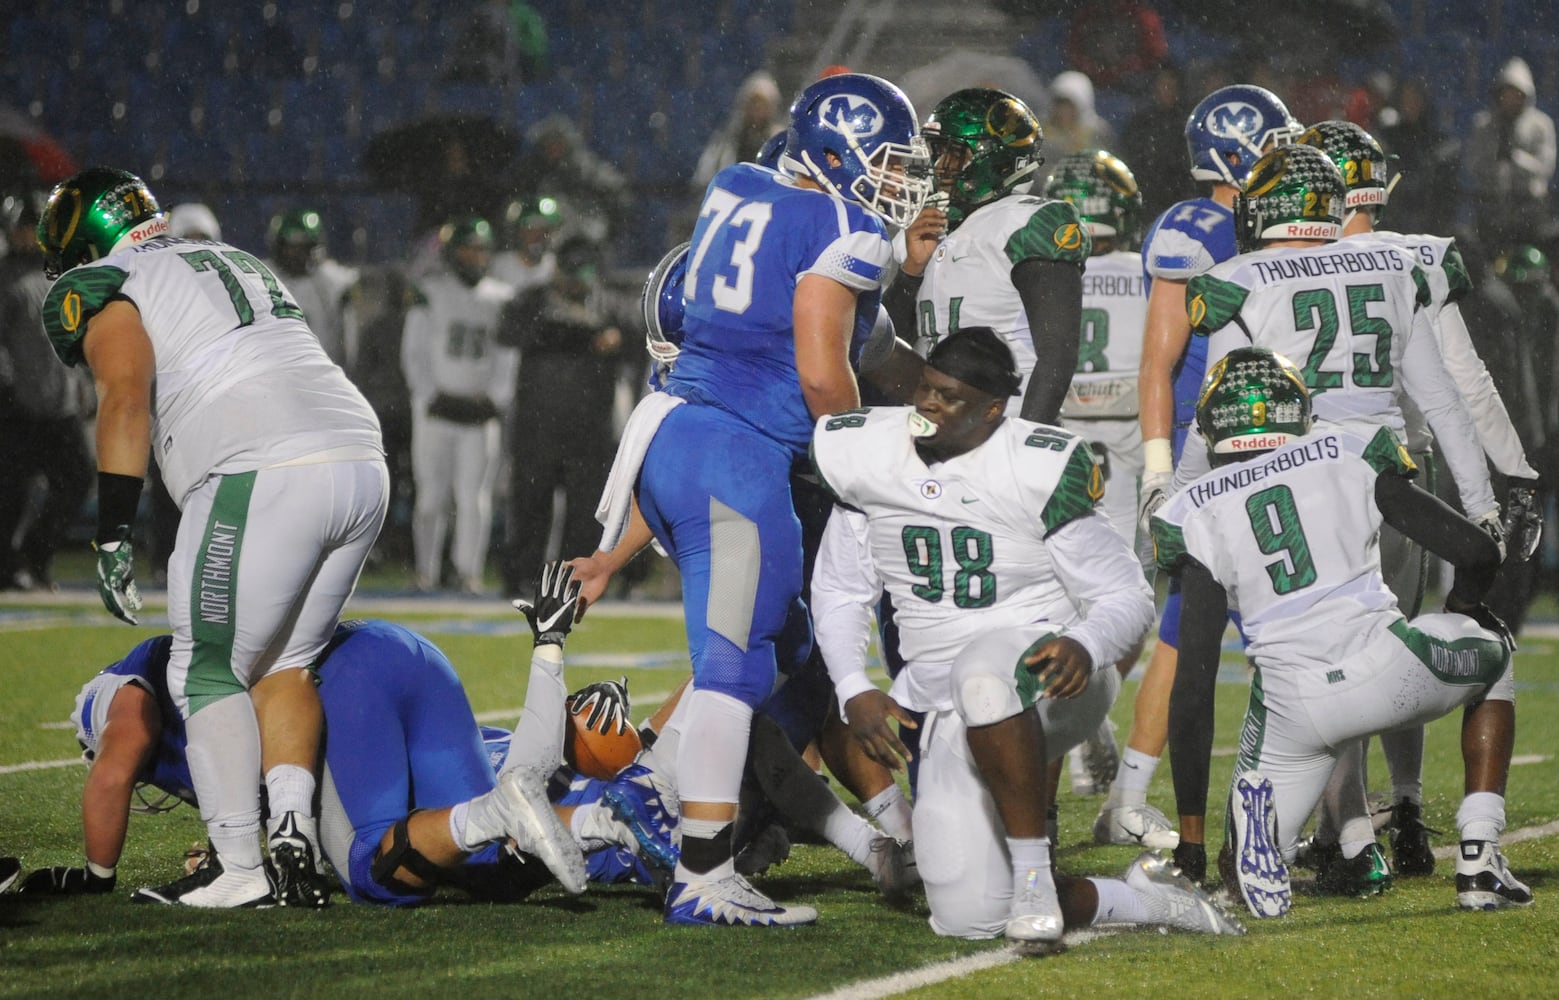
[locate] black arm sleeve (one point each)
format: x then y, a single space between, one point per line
1204 609
1427 520
1052 294
899 300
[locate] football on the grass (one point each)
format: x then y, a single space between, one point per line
597 754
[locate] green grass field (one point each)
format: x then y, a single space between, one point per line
1410 942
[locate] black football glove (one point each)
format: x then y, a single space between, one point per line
604 705
551 612
1481 614
63 881
1522 520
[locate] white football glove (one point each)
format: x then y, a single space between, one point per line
1156 487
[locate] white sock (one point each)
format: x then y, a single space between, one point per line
850 833
890 810
1130 787
457 826
713 752
224 766
1119 903
289 788
1481 816
538 737
1028 854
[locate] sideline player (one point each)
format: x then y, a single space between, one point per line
276 461
1284 528
1225 134
781 266
409 798
982 528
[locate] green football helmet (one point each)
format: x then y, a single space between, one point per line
1292 193
297 239
1104 191
1253 400
470 231
983 144
1525 265
1360 159
91 213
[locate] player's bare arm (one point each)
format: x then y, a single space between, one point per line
123 365
824 312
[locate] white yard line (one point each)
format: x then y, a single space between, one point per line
941 972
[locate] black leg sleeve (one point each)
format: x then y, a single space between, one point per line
1204 613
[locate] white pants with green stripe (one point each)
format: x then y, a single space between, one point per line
960 844
1300 720
261 568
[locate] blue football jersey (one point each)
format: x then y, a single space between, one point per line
1188 239
757 234
169 768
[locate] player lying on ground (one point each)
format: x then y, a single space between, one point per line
410 797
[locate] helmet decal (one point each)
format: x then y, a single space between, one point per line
851 115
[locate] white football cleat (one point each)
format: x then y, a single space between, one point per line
1174 900
725 899
1034 923
520 810
1139 825
1484 881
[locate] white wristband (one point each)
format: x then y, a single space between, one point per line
1158 456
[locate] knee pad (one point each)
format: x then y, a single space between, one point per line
990 680
402 855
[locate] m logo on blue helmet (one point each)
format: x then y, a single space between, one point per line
1234 120
851 115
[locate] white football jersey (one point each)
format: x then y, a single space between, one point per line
1352 315
961 545
1293 538
242 383
450 342
1115 314
968 281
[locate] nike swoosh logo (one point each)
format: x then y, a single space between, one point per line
969 499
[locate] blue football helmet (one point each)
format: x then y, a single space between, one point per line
1238 122
769 156
868 127
662 307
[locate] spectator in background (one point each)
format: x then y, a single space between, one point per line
461 381
757 113
1427 159
320 286
43 442
571 345
1117 43
1154 140
1073 125
500 42
1510 162
558 163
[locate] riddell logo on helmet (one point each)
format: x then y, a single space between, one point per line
1257 442
1305 231
149 230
